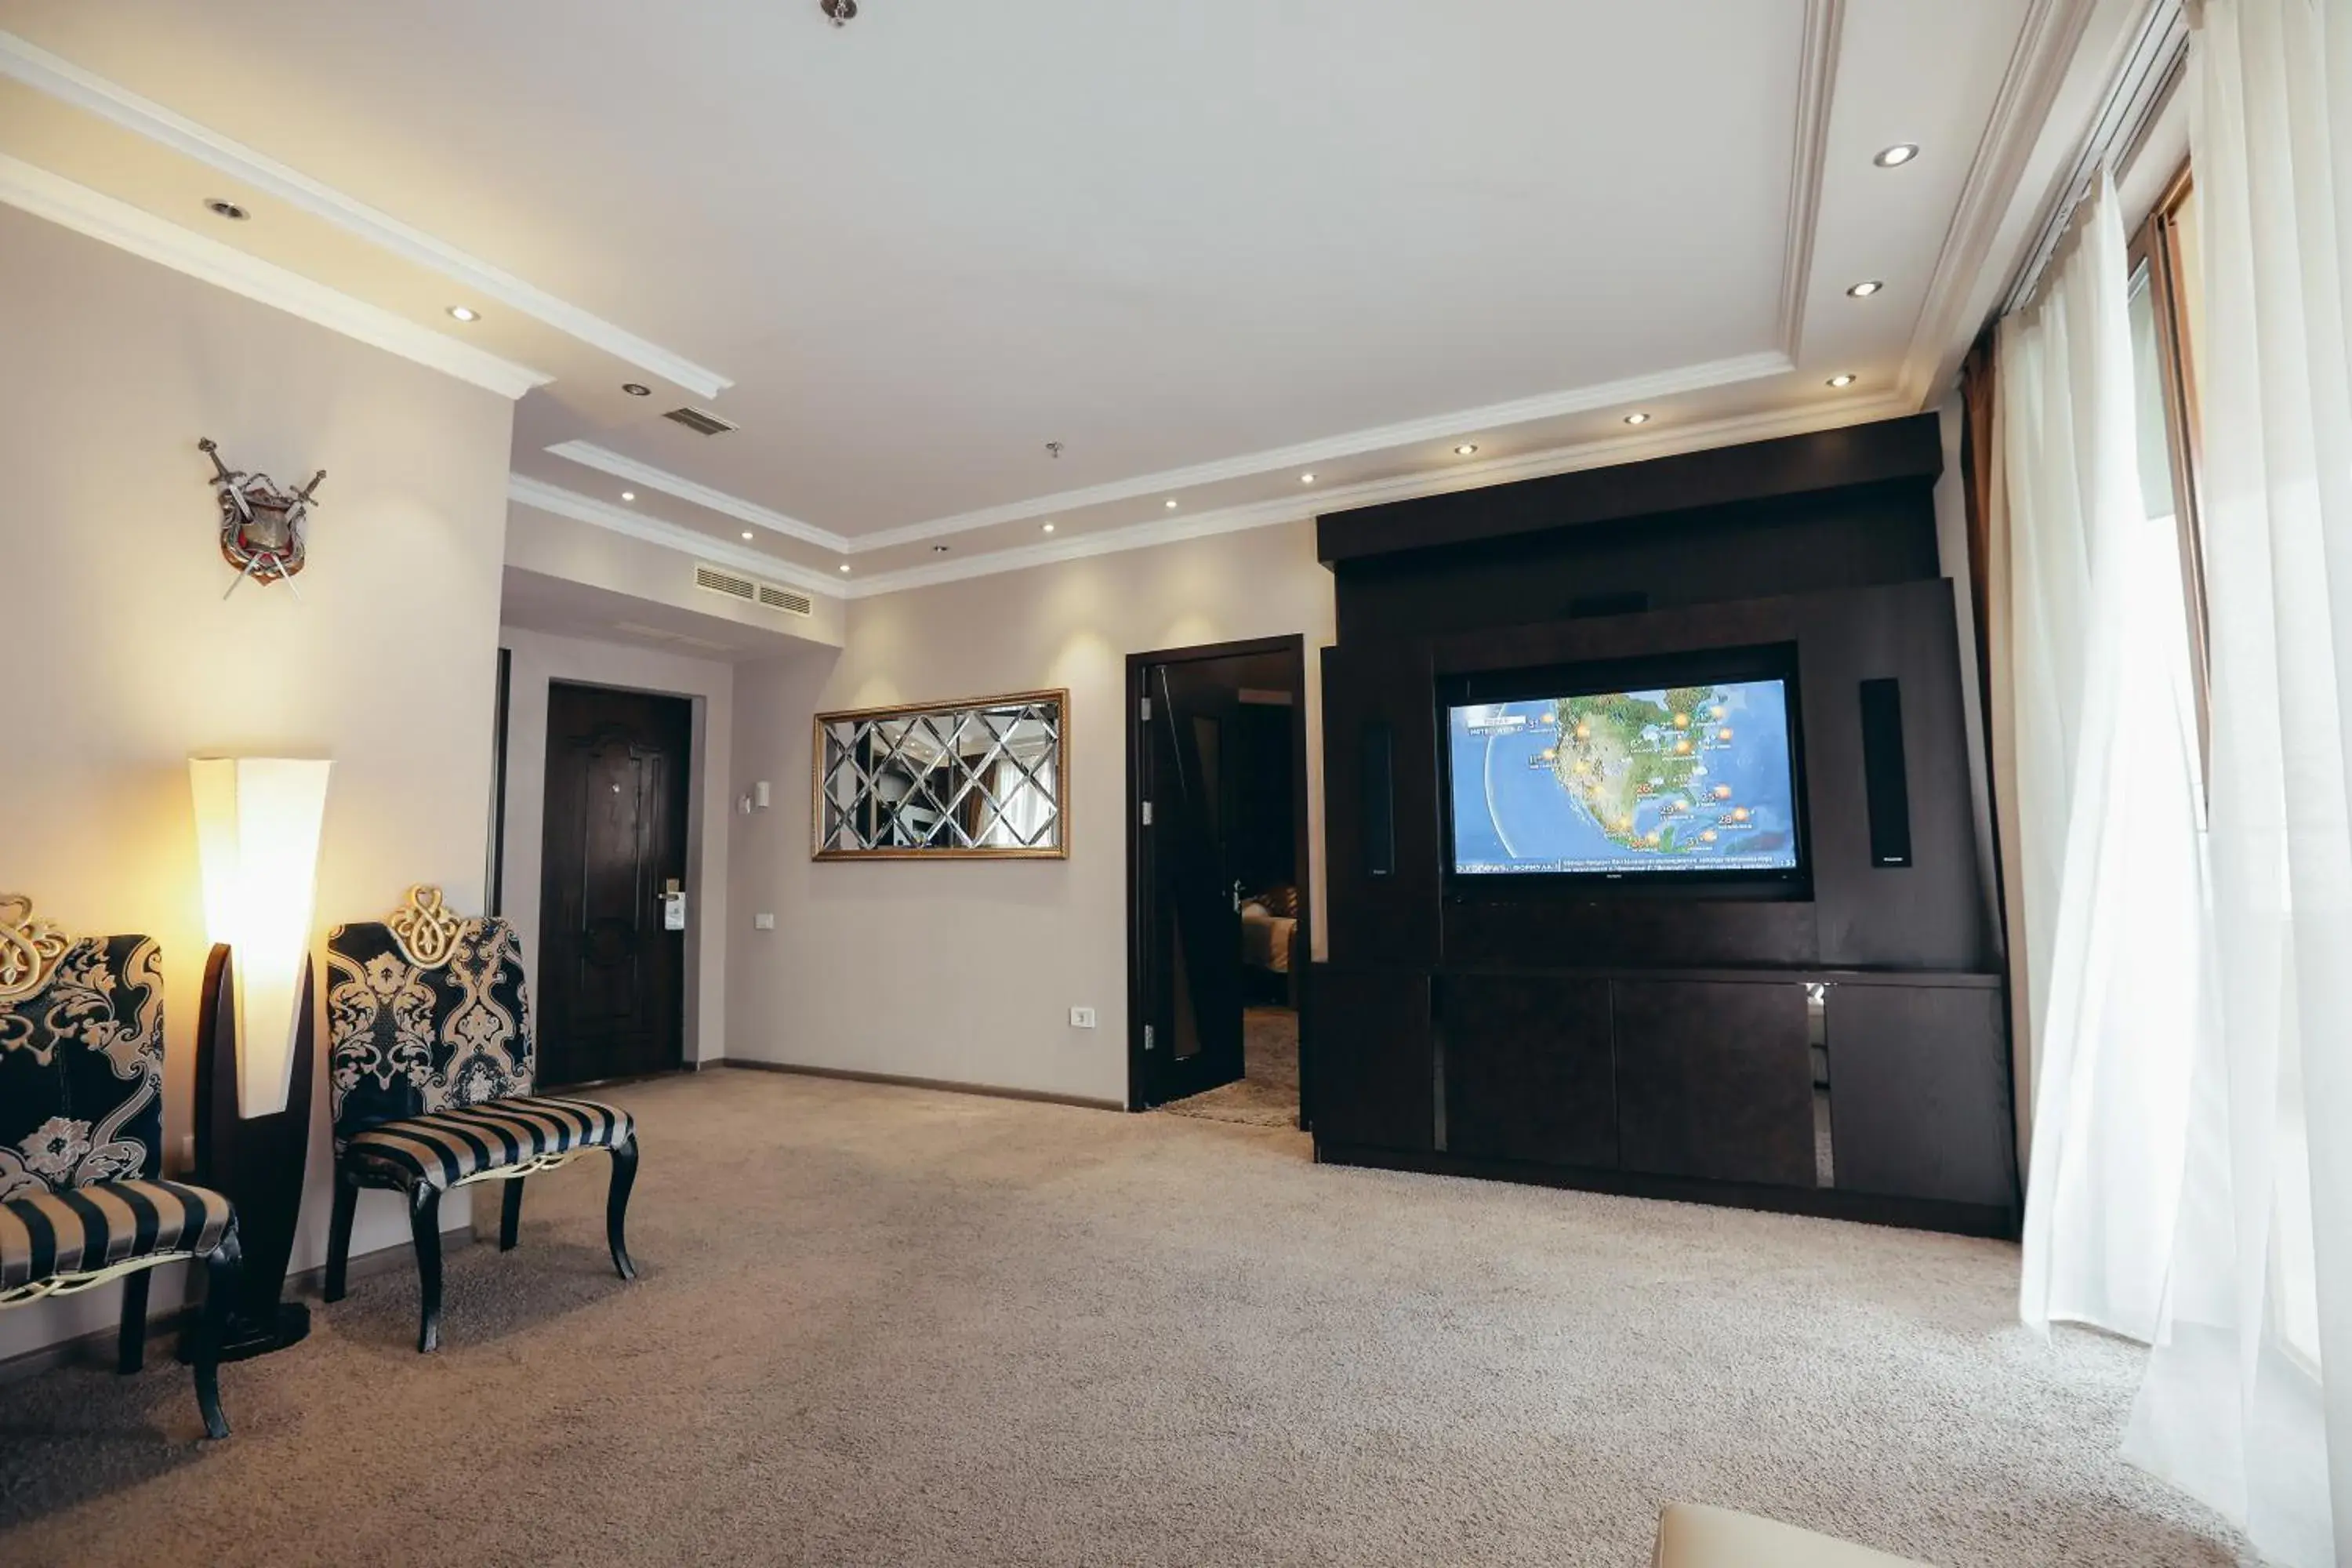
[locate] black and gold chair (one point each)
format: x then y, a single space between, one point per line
431 1060
81 1139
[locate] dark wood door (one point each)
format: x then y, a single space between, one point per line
611 980
1919 1099
1191 902
1715 1079
1529 1073
1375 1079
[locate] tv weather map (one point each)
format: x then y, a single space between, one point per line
1691 779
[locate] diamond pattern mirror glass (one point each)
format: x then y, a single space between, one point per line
985 779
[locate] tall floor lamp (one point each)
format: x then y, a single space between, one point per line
258 821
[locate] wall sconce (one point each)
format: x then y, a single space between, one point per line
258 821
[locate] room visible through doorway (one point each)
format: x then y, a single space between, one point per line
1218 918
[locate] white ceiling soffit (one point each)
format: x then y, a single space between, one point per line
64 80
653 530
142 233
589 455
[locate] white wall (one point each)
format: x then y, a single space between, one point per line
540 659
966 971
124 658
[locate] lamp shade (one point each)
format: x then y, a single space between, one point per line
257 822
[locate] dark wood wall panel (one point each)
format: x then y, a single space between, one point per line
1808 545
1528 1069
1919 1092
1714 1081
1374 1067
1375 917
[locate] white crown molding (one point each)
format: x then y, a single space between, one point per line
1816 89
2037 67
605 460
1626 449
126 227
62 80
1452 427
527 492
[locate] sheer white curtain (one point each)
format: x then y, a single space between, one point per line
2100 723
2235 1408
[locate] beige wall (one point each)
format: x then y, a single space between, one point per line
124 658
540 659
967 970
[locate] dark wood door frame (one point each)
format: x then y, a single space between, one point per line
1138 667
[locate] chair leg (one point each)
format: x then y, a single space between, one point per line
510 1214
131 1354
339 1235
425 1227
223 1267
617 1205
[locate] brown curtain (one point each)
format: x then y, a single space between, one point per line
1980 477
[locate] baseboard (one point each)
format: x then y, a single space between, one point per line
900 1080
1995 1223
164 1325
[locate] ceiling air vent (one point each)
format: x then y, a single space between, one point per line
727 583
751 590
783 599
700 421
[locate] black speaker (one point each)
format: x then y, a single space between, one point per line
1884 785
1378 791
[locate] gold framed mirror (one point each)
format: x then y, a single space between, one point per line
987 779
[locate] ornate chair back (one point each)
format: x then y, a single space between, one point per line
428 1012
81 1057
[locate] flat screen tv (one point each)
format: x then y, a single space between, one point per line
1683 770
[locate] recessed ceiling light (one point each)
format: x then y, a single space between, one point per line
1894 157
844 567
628 495
636 389
747 534
1467 449
1049 528
1637 420
465 313
229 210
1172 503
1843 378
1306 478
1864 290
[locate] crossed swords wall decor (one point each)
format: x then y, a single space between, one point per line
261 525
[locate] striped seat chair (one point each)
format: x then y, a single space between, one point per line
81 1139
431 1062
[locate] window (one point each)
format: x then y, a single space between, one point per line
2166 302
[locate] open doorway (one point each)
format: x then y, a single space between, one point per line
1217 912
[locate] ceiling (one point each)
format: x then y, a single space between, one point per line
1209 248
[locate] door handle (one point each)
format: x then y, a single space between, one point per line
673 906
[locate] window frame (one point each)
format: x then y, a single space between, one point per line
2155 248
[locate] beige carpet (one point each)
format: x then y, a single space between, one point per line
1267 1094
891 1326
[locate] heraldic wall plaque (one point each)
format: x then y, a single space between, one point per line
261 526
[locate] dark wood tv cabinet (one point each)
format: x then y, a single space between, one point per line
1837 1047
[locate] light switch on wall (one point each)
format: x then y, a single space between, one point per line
764 922
1082 1017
